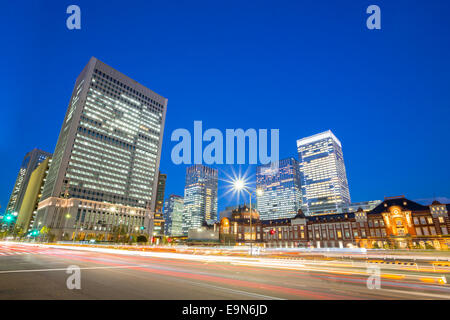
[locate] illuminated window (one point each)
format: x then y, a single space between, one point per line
433 231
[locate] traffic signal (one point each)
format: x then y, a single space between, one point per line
8 218
272 231
142 228
34 233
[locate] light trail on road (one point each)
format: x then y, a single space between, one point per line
191 276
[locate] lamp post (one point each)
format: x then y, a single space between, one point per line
239 185
68 216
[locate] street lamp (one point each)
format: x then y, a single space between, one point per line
239 184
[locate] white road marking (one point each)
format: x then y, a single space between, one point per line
262 296
64 269
431 295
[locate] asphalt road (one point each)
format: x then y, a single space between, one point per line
40 273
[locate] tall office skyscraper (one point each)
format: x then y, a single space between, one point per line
281 190
158 222
28 209
323 176
160 192
173 215
30 162
104 171
200 196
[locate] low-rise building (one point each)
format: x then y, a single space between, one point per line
243 227
395 223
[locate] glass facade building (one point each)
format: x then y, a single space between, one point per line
104 171
323 176
200 196
29 163
160 192
364 205
28 209
281 190
158 221
173 215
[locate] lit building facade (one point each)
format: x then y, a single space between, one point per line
395 223
28 209
104 171
200 196
173 216
158 221
281 190
237 229
228 211
323 176
29 163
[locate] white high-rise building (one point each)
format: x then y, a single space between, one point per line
323 176
281 193
173 215
200 196
104 171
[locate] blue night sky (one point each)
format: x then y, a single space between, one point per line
299 66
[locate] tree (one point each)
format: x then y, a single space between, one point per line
119 232
44 233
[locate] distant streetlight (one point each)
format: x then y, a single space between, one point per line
239 184
259 192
